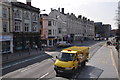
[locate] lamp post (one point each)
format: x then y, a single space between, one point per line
40 43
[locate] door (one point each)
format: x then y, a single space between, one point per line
75 61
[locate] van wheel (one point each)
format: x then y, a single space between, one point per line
83 64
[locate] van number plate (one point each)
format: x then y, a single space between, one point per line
60 71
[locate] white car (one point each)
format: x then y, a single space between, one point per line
63 44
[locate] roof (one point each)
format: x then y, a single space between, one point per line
75 49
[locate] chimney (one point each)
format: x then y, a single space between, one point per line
51 9
59 9
62 10
80 16
28 2
72 14
83 18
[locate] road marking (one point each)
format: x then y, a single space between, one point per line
44 75
25 69
113 61
22 61
1 78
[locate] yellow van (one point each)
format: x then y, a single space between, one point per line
70 58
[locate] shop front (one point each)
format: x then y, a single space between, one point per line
26 41
51 41
6 43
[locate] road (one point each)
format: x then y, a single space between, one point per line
42 66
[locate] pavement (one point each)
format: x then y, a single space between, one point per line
9 57
20 55
102 65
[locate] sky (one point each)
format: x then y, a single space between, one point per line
104 11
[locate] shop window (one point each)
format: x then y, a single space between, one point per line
5 46
50 42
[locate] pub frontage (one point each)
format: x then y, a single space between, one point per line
24 41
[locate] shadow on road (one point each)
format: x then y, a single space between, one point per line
25 62
84 73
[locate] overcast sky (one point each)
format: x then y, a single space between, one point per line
97 10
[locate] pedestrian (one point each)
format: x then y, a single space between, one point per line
117 47
28 47
36 47
108 43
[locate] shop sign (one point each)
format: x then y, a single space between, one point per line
5 38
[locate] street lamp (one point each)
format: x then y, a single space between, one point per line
42 10
40 16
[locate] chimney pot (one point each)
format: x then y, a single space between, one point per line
63 10
28 2
80 16
59 9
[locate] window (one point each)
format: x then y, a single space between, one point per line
34 27
5 12
53 31
59 30
17 25
26 27
17 13
49 23
49 32
34 17
5 25
26 15
5 46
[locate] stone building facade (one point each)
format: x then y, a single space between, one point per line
72 28
103 30
6 37
26 27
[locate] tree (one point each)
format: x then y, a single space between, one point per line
118 30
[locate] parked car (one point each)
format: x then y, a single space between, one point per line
63 44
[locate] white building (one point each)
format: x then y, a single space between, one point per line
60 21
6 38
71 27
119 12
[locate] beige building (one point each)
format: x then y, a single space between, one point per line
48 30
6 38
26 26
19 26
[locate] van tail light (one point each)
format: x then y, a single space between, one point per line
69 50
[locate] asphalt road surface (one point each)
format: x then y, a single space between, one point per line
42 66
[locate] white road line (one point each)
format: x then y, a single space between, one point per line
44 75
1 78
25 69
113 61
22 62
